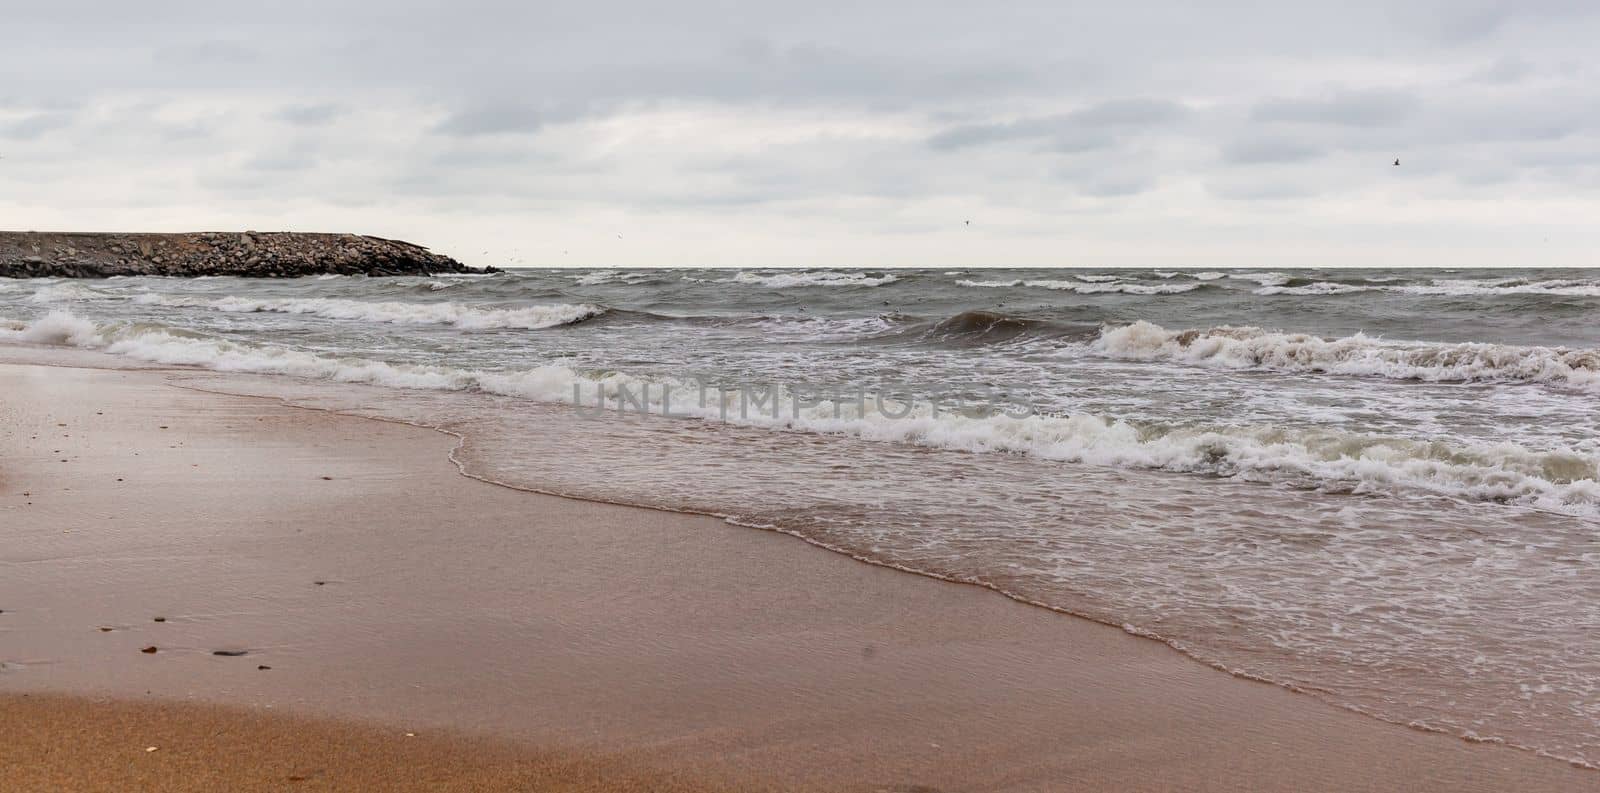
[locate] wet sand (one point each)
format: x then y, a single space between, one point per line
74 743
515 633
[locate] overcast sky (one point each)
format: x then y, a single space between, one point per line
822 132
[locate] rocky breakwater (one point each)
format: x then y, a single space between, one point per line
250 254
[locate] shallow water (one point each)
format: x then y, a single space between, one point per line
1375 486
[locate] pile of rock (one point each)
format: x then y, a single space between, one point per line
32 254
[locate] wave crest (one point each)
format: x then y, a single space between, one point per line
1089 287
806 278
458 315
1254 348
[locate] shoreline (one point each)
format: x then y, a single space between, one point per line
877 657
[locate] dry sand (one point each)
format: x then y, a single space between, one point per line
531 642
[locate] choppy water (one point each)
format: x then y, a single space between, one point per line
1375 486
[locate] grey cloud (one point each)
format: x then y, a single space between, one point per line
208 53
1124 112
310 115
1080 141
1486 177
1080 130
1269 150
1472 20
1110 177
35 126
492 120
1505 71
1347 108
789 110
1520 121
1116 187
1259 190
298 160
1465 22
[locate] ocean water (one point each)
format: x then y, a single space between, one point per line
1375 487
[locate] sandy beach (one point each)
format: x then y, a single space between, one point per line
404 627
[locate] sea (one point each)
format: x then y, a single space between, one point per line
1374 487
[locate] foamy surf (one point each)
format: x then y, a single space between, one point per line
1443 287
1559 480
458 315
1254 348
1086 285
803 279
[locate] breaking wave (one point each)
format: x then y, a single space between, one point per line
1449 287
1088 288
1505 286
1255 348
1264 278
1561 480
806 278
976 329
1120 288
626 277
68 292
458 315
1317 288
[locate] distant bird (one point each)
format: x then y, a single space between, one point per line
969 223
1397 162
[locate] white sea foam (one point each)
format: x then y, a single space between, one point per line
1100 285
1452 287
1252 348
1096 279
57 327
1264 279
436 284
460 315
1504 286
1560 479
1120 288
611 277
806 278
1318 288
68 292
